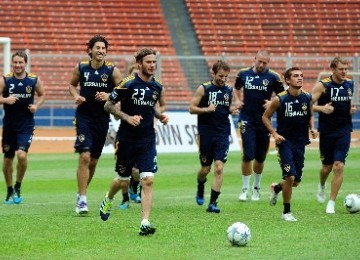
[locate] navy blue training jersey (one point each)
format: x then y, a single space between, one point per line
137 98
340 96
257 87
92 81
18 114
215 123
293 116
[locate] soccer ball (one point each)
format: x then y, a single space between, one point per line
238 234
352 203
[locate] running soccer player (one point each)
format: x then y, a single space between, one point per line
97 78
293 109
333 96
212 103
135 143
255 86
17 93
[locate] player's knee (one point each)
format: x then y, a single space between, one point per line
219 167
290 180
21 155
295 184
147 178
85 157
204 171
338 167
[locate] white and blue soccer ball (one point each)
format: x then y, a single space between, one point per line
238 234
352 203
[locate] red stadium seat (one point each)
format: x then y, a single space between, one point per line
303 27
65 27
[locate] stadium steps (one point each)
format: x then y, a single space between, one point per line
185 42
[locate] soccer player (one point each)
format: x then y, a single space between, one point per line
97 78
134 187
212 103
293 108
17 93
135 143
255 87
333 96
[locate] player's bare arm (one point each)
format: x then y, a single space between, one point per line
312 128
317 91
239 97
194 106
117 76
159 109
266 118
115 110
40 92
73 87
353 109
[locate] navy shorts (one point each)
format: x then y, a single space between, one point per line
255 141
129 154
90 136
291 159
13 141
213 148
334 147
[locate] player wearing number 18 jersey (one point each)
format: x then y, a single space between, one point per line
212 103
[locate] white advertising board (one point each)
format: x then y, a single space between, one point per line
179 135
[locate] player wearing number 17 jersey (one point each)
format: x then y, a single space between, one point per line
333 96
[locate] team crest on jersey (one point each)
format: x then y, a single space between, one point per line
265 82
349 92
287 167
104 77
28 89
226 97
304 106
154 96
6 147
81 138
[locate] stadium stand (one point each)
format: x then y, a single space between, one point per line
64 27
304 28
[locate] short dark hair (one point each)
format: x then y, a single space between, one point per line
338 60
95 39
142 53
220 64
20 54
288 72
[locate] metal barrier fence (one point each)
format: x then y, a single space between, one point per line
176 72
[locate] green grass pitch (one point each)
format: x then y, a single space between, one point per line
45 226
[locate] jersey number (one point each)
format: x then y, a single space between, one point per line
136 92
12 86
